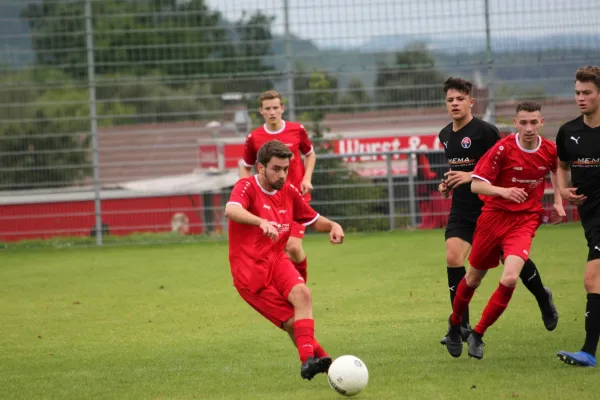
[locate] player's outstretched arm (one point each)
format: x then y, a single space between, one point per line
485 188
336 233
239 214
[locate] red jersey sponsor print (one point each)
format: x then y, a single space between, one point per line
507 165
294 136
251 253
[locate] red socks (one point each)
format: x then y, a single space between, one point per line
495 307
304 335
301 267
464 293
319 351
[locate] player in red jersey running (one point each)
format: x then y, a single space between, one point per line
510 179
261 211
294 136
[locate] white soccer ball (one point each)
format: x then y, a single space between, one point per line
348 375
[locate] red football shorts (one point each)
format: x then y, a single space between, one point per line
272 301
503 234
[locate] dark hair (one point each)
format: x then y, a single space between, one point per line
588 74
273 148
529 106
268 95
460 84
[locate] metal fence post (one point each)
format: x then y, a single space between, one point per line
490 64
390 182
93 118
289 63
412 201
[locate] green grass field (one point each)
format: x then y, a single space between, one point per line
164 322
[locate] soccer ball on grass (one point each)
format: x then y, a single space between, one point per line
348 375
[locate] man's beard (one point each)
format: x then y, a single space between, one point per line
277 184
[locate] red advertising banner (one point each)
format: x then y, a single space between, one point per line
383 144
208 156
232 151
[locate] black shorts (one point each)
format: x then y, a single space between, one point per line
592 234
461 226
590 221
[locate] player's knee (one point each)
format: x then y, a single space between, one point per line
509 280
510 276
591 279
473 279
456 252
300 296
454 259
455 256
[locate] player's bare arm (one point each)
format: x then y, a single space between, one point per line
515 194
239 214
563 173
457 178
245 171
309 166
558 201
336 233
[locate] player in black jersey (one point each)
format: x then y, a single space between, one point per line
578 145
466 139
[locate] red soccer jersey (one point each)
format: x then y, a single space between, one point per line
507 165
294 136
251 253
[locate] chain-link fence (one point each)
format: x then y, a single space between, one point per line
126 116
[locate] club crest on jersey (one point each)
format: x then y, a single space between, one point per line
465 143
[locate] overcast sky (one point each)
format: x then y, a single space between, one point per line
352 22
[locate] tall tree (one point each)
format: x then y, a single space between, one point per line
243 65
315 92
413 81
155 102
44 129
339 192
355 98
173 37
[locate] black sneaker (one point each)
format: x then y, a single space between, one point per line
314 366
476 345
549 312
465 331
454 342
